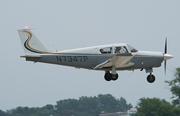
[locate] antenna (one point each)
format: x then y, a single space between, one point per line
55 48
81 42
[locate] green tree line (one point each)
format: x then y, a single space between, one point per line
84 106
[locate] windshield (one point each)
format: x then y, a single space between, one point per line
132 49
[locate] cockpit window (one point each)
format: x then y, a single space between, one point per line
132 49
107 50
120 49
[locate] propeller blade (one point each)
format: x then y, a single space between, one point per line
165 66
165 50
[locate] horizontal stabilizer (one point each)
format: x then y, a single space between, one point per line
31 56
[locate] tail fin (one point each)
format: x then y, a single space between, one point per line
31 43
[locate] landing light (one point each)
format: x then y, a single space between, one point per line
26 27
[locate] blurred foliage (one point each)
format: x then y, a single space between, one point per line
2 113
156 107
175 87
92 105
84 106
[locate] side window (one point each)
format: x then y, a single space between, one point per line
107 50
120 49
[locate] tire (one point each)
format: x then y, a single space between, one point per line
108 76
151 78
115 77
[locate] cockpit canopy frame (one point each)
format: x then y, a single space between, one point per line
114 49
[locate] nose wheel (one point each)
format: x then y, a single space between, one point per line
108 76
151 78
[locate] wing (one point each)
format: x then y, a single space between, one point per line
119 61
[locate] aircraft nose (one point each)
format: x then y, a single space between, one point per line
167 56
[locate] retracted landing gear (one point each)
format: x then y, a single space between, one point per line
108 76
150 78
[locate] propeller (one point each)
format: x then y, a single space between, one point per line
165 52
166 56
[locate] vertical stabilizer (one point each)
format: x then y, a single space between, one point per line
31 43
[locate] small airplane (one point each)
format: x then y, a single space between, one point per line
109 58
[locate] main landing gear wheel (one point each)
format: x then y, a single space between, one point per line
151 78
108 76
114 77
